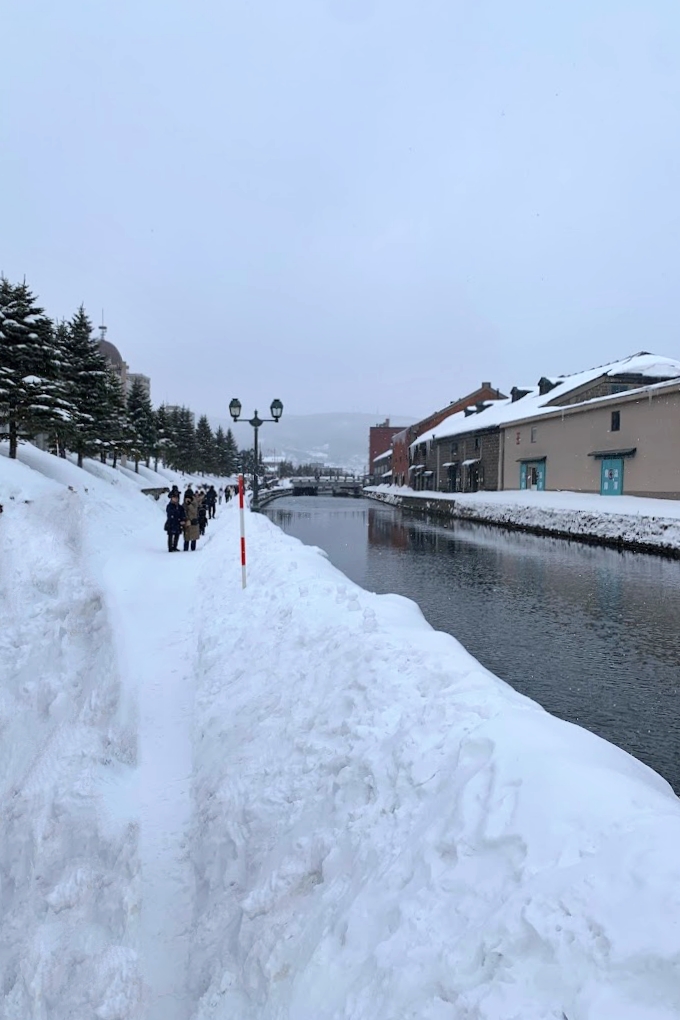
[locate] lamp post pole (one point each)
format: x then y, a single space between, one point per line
276 410
256 422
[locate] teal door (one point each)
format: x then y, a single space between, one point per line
532 475
611 477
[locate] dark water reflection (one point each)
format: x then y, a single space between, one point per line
592 634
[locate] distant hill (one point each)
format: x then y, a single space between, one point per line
334 439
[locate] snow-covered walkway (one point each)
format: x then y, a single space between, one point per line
152 599
295 801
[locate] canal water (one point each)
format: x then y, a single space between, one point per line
592 634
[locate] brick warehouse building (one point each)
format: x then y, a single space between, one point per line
404 437
379 439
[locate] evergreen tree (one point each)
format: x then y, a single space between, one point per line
163 440
205 446
246 459
87 376
231 455
142 421
226 453
219 451
63 428
117 434
173 455
32 393
184 440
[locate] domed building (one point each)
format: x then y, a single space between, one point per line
114 359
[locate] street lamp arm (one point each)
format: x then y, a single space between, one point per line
276 412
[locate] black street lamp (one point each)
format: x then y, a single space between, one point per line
276 410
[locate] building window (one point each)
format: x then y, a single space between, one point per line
454 449
476 442
518 438
616 421
534 433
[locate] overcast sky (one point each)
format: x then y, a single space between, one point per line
362 205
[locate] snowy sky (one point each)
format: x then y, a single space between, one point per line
328 201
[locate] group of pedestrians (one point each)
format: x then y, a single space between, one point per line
190 517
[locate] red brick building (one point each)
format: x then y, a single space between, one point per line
404 437
379 440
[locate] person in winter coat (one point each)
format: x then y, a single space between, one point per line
174 491
210 501
202 512
190 524
174 520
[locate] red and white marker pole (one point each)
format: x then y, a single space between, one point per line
243 531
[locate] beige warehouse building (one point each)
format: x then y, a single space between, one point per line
623 444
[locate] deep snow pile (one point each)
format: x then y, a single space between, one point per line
386 830
653 524
295 801
69 875
86 753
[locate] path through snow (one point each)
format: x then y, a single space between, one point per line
155 598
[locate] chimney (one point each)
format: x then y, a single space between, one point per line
481 406
545 386
516 393
486 385
468 411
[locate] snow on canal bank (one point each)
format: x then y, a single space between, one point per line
645 524
295 801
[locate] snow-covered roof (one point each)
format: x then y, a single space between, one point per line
383 456
503 412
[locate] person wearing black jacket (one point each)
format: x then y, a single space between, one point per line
174 520
210 501
202 513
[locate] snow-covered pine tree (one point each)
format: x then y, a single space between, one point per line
162 436
231 454
171 455
143 423
185 440
117 434
205 446
32 390
63 429
87 380
219 448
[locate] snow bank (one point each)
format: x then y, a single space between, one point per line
295 801
652 525
385 829
68 871
91 877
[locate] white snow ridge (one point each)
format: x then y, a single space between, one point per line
293 802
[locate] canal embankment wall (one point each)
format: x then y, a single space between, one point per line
626 522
